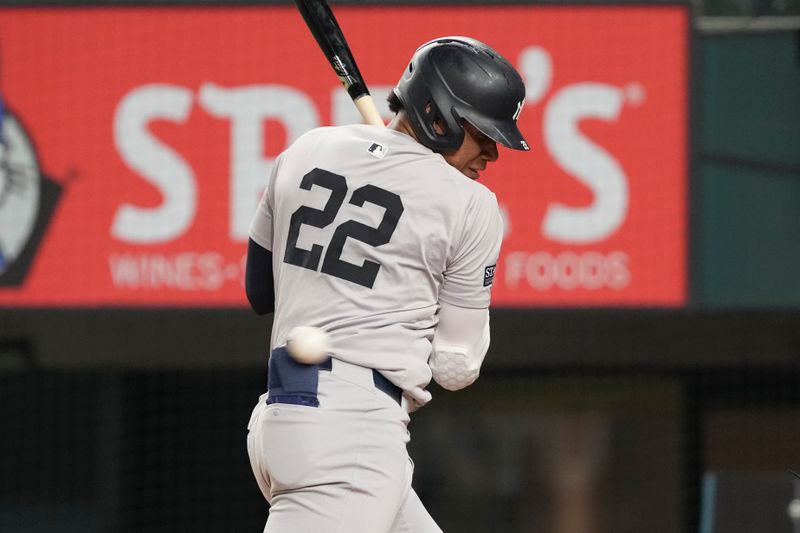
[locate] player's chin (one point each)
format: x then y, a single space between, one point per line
471 173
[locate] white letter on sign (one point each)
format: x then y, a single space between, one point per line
156 163
247 108
586 161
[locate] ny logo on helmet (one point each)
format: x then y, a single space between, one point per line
519 109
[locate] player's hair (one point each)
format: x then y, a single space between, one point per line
395 105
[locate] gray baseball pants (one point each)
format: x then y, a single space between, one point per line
341 467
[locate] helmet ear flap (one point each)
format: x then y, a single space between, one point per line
435 119
446 131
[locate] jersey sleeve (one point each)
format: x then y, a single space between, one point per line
469 274
261 225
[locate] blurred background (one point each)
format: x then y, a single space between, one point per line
644 372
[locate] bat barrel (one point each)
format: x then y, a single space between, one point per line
326 31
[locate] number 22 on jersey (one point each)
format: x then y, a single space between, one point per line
332 264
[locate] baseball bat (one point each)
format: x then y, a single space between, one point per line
320 20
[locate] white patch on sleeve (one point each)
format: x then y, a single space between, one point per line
488 275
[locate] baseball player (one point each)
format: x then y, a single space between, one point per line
383 238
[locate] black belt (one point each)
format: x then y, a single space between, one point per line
294 383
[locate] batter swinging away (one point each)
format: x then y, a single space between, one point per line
378 237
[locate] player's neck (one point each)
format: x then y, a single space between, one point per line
402 124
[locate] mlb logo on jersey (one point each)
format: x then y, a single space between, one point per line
378 150
488 275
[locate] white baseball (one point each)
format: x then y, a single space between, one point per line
308 345
794 510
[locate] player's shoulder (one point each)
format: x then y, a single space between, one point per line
468 191
334 137
315 135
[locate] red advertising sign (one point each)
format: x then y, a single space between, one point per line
136 143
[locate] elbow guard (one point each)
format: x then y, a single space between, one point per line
456 367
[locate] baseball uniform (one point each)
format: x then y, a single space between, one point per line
370 232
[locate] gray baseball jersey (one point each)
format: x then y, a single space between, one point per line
369 231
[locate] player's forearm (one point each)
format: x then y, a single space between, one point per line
459 346
259 284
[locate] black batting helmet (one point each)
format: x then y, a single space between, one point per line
451 79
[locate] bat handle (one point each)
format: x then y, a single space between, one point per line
369 111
